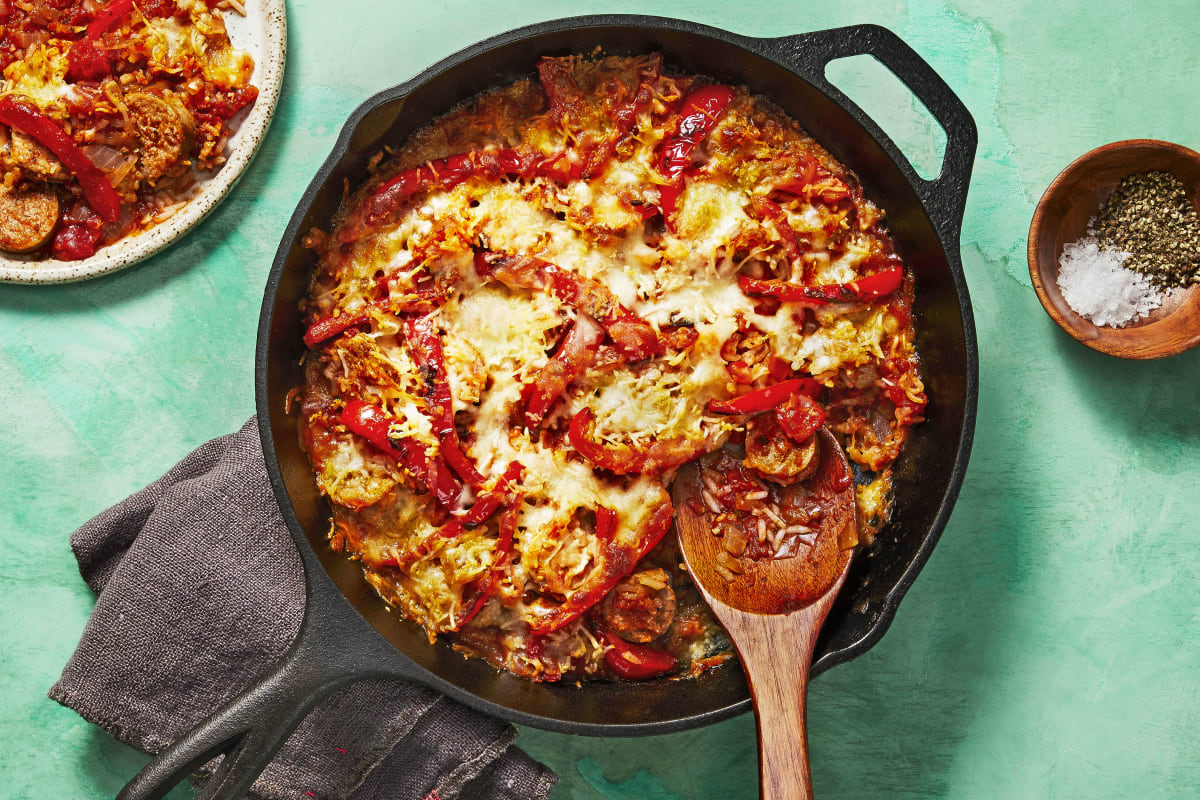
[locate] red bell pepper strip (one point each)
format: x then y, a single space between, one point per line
107 17
490 502
766 398
446 173
636 661
485 586
800 416
618 562
370 422
701 111
624 459
861 290
575 354
419 302
421 335
19 113
331 326
455 459
606 524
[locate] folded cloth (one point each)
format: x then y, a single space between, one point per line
200 591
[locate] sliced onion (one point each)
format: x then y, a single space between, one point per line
107 158
79 213
25 39
111 160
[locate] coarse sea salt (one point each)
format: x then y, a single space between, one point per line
1096 285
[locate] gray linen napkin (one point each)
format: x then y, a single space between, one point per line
200 590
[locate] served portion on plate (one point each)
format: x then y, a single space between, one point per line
110 116
551 298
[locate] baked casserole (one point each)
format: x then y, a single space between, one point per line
550 299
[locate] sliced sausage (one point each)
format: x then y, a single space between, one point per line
30 155
774 456
164 129
639 608
28 217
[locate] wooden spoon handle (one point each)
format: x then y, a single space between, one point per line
779 680
776 652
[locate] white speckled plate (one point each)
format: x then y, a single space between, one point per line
263 34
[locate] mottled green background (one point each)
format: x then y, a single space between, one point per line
1051 647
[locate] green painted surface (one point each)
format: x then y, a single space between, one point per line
1050 648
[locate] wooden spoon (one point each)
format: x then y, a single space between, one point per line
774 610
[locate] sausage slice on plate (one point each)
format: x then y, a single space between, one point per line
31 155
163 127
28 217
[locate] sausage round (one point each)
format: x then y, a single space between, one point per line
774 456
163 127
28 217
639 608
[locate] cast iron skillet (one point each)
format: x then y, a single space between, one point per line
347 635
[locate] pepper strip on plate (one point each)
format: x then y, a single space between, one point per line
619 556
861 290
702 109
635 339
19 113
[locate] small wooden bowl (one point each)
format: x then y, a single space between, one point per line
1062 216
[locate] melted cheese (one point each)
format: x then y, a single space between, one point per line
498 340
40 76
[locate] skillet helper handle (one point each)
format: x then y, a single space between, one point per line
944 197
252 727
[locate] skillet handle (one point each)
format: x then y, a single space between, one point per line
252 727
944 197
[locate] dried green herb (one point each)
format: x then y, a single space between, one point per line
1150 217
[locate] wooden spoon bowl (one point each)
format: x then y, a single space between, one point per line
774 610
1062 217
